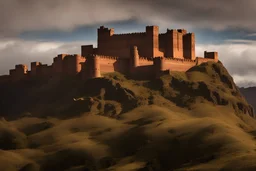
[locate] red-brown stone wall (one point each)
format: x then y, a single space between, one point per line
72 64
122 66
152 49
178 65
19 72
87 49
162 42
144 72
119 45
200 60
145 62
57 66
111 64
44 71
91 67
174 44
111 44
189 46
107 65
34 66
211 55
177 44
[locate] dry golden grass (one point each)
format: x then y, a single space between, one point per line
199 139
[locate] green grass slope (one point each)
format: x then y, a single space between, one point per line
196 120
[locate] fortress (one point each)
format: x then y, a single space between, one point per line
138 54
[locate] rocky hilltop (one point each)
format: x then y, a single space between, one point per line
194 120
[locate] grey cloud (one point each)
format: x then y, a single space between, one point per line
240 41
215 14
239 59
250 82
26 15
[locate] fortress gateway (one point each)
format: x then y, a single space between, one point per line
148 53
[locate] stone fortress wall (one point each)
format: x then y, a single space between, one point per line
146 53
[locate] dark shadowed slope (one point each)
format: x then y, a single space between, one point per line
196 120
250 95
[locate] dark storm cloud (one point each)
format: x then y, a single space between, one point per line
25 15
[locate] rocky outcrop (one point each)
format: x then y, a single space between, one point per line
108 96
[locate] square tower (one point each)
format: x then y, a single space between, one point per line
104 35
189 46
152 33
174 43
211 55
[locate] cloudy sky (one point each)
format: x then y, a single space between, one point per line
38 30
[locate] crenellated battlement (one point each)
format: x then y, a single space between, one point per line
190 33
149 53
159 58
146 58
104 31
171 30
178 59
135 33
106 57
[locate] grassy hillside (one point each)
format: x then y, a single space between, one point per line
196 120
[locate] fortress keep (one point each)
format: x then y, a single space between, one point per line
138 54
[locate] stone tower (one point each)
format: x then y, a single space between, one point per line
189 46
152 33
134 57
95 66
